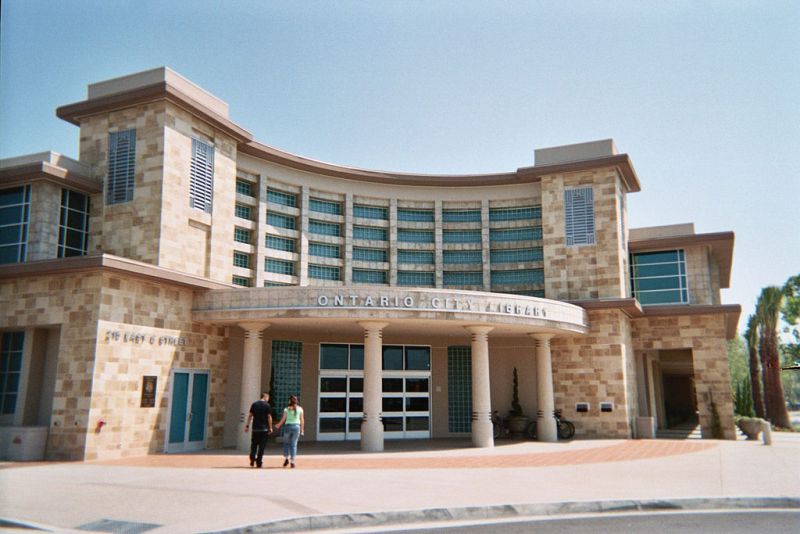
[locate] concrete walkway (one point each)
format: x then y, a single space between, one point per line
335 485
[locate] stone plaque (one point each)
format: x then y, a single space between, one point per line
149 391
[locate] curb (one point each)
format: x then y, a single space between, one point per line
374 519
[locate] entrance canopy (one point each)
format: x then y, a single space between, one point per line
439 310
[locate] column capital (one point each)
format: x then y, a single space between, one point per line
541 337
254 326
373 325
479 329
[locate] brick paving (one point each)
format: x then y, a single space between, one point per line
617 452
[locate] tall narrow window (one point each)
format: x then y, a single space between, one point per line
579 216
14 211
121 160
11 345
73 229
201 176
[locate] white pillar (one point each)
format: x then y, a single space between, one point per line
251 377
482 435
545 422
371 426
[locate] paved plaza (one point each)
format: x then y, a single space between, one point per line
335 485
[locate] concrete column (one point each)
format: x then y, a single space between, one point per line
482 435
251 376
371 426
545 422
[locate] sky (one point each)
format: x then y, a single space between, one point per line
703 95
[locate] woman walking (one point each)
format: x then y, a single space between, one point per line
295 427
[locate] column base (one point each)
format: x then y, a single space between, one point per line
482 434
243 441
546 429
372 436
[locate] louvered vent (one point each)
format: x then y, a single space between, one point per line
121 158
579 216
201 176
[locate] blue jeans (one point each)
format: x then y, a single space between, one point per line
291 433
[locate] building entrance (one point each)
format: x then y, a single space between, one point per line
188 410
406 403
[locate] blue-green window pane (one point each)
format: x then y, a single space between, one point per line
278 266
281 197
324 250
281 243
415 278
367 276
241 281
414 215
461 236
463 278
518 277
461 215
370 254
333 356
515 214
530 233
323 272
281 221
418 358
371 212
73 229
241 260
243 212
417 257
287 365
369 233
325 206
414 236
14 212
659 277
517 255
243 187
459 389
11 346
462 256
393 361
241 235
324 228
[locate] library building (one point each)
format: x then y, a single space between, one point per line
152 288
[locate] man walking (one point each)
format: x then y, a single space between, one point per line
261 417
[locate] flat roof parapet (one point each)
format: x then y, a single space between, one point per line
574 152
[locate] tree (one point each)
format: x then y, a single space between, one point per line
791 316
768 311
751 338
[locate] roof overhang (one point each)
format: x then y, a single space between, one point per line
108 263
720 243
151 93
43 170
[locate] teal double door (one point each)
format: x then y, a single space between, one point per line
188 410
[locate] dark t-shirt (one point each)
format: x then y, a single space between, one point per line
261 411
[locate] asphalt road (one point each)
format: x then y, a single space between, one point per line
721 522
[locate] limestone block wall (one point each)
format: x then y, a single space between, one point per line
98 376
595 368
73 303
705 336
698 276
586 271
129 229
193 241
43 221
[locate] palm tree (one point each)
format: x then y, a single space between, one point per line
751 338
768 311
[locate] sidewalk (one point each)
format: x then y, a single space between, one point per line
440 479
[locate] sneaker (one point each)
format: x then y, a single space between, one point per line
292 465
252 462
286 462
258 466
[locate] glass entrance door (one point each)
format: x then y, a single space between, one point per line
406 392
188 410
